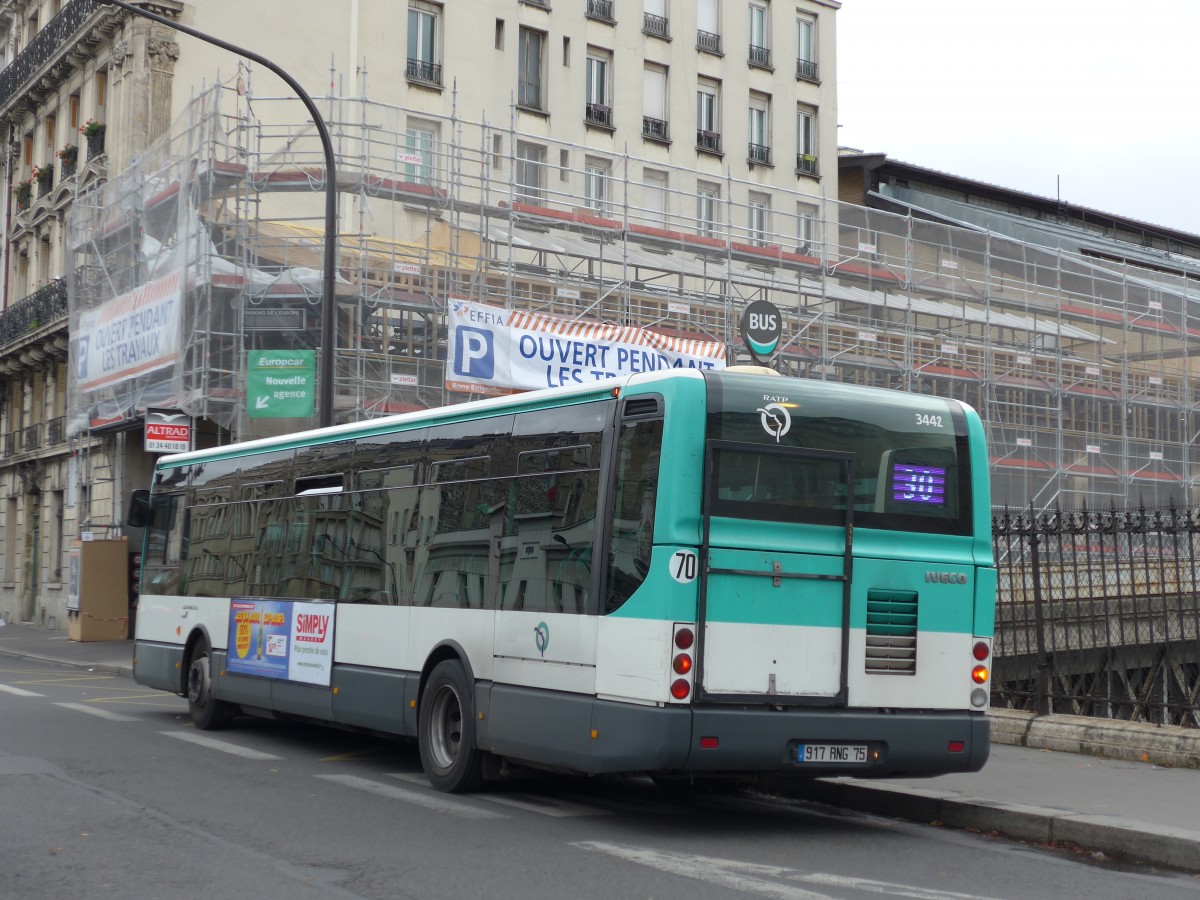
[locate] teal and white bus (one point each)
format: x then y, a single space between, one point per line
683 574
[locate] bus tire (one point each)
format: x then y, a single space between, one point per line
207 713
446 731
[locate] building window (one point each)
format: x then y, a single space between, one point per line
529 172
597 174
654 18
597 110
421 149
51 125
654 196
499 34
760 219
424 60
760 51
806 140
56 511
529 84
807 237
708 122
708 201
101 89
806 49
10 540
73 107
654 103
760 129
708 26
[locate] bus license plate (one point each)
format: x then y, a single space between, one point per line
832 754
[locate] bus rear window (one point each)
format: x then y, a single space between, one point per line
811 451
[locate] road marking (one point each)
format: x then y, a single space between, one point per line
546 806
416 798
214 744
751 877
97 711
17 692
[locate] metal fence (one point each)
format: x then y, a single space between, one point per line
1098 614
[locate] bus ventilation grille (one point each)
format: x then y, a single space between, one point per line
892 632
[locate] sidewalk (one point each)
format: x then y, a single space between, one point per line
1132 806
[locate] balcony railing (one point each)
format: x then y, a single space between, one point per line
655 25
95 143
46 45
43 307
425 72
56 431
45 180
598 114
708 42
67 166
600 9
806 164
760 153
708 140
12 443
655 129
806 69
31 438
760 56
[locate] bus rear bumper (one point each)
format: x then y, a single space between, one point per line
871 743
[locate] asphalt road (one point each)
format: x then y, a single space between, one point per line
107 791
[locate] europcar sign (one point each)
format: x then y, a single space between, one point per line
761 327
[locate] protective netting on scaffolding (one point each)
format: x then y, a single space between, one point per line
207 253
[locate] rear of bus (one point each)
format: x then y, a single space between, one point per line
846 584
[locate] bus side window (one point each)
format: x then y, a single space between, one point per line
632 537
164 548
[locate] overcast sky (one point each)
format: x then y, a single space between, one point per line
1096 101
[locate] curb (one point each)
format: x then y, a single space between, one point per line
1153 844
1162 745
111 668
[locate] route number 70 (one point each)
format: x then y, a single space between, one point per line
684 565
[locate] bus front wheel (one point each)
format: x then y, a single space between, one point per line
208 713
446 731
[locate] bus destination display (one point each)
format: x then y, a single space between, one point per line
919 484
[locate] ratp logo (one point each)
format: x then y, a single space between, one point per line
474 353
776 420
541 637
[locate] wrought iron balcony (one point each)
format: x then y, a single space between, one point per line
424 72
67 166
43 307
45 180
95 143
708 42
655 25
709 141
806 164
760 56
655 129
12 443
56 431
31 437
806 70
598 114
51 44
760 153
600 9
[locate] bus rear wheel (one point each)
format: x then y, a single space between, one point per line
446 731
207 713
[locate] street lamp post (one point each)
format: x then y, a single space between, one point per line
325 372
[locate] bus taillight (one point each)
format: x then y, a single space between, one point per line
979 674
981 651
683 637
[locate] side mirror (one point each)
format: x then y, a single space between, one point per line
139 509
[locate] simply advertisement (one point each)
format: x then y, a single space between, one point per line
500 351
281 639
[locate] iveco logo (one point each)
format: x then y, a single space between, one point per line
945 578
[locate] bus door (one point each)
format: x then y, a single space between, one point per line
775 585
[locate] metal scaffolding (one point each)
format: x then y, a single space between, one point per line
1079 366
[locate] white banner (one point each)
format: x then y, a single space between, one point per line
499 351
129 336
